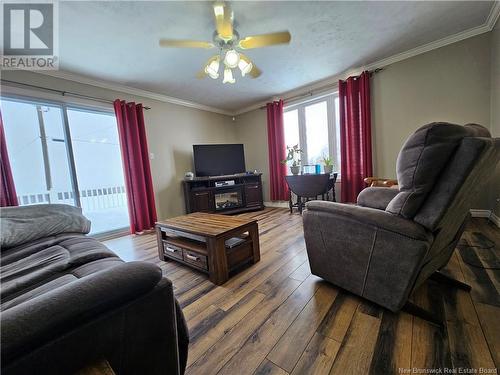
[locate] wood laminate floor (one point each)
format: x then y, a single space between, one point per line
276 318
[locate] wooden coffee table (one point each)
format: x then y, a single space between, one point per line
214 244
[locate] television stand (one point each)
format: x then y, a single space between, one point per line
206 194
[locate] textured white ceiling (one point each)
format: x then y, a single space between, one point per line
117 41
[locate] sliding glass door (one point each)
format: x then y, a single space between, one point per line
69 155
37 153
98 164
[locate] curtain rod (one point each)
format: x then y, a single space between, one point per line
316 91
64 93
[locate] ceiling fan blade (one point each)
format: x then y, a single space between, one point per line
255 72
264 40
185 43
201 74
223 20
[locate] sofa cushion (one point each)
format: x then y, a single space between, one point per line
31 270
83 250
24 268
422 160
38 291
96 266
19 225
376 197
454 181
16 253
45 243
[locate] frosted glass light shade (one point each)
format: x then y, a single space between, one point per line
245 67
212 69
228 76
232 58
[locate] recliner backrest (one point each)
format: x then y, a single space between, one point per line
465 175
433 164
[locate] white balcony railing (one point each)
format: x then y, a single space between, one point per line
92 199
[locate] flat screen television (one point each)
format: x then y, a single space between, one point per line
218 160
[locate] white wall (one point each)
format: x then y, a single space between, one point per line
171 131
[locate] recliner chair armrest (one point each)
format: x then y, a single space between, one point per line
376 197
373 217
37 321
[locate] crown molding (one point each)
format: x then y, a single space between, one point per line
130 90
492 19
332 81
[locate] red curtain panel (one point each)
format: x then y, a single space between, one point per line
138 180
355 135
277 151
8 196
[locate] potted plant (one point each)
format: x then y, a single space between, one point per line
327 164
293 154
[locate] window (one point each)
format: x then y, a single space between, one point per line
65 154
313 125
291 122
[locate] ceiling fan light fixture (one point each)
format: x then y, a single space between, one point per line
212 68
245 66
232 58
228 76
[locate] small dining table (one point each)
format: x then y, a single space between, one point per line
308 187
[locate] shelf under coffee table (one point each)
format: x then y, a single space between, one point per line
211 243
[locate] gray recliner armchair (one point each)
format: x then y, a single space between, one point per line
393 240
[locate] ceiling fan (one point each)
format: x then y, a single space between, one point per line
229 43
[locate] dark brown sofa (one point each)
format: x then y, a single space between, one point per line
388 244
68 301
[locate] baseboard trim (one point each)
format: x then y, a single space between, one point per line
480 213
276 204
495 219
488 214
